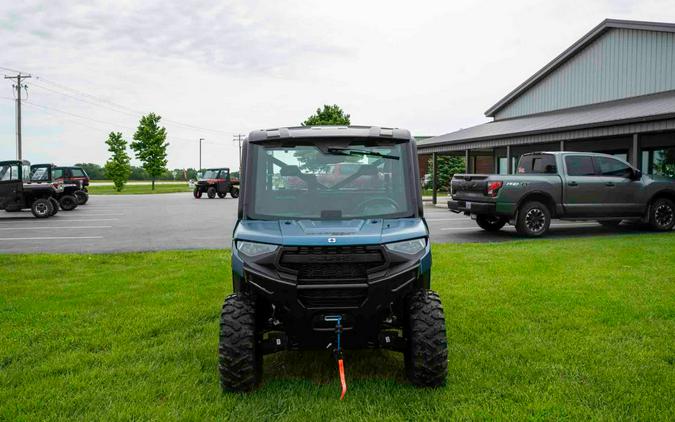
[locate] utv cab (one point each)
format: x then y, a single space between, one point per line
216 182
17 193
74 175
331 252
44 174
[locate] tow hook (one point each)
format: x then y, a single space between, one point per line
338 350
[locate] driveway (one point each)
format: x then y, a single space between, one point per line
124 223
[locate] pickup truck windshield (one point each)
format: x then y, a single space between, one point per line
306 181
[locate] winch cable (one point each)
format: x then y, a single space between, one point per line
338 351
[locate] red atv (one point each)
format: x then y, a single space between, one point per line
216 182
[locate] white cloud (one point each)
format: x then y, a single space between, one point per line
432 67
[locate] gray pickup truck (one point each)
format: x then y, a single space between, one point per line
566 186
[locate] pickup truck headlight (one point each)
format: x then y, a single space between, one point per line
254 248
410 247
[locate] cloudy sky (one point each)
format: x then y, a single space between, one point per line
213 69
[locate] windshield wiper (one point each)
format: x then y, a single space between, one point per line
349 151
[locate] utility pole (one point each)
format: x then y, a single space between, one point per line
18 87
238 138
200 154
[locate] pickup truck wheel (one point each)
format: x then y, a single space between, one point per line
197 193
211 193
426 352
662 214
490 223
68 202
534 219
235 193
239 354
42 208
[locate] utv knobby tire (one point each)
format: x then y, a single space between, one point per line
239 354
197 193
68 202
221 195
55 205
42 208
490 223
82 197
211 193
235 193
426 352
662 215
534 219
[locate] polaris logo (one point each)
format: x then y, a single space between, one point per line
332 240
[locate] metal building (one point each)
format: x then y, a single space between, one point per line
613 91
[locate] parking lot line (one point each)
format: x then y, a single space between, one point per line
57 227
52 238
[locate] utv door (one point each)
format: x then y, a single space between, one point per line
11 187
223 181
620 192
582 189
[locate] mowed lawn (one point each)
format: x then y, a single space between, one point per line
139 189
548 329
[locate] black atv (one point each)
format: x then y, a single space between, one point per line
17 193
44 173
216 182
74 175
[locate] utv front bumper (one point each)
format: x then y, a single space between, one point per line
364 284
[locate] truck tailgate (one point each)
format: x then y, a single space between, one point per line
470 187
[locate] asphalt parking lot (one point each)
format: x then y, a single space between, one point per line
178 221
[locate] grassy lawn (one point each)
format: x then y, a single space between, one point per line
575 329
139 189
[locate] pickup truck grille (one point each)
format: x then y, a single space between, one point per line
331 264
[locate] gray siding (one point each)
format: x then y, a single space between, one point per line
621 63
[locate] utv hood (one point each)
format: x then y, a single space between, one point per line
330 232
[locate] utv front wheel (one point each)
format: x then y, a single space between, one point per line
55 205
426 353
197 193
82 197
211 193
68 202
42 208
490 223
239 354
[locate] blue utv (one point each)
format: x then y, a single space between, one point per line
331 251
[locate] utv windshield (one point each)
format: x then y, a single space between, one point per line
210 174
316 181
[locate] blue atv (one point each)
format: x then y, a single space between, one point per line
331 251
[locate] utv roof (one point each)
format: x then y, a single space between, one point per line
20 162
216 168
328 132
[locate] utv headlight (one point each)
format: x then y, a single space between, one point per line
255 249
410 247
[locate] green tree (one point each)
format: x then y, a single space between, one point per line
94 171
448 166
330 115
150 146
117 168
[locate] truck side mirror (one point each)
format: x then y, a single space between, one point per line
637 174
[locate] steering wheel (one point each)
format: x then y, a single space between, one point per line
386 202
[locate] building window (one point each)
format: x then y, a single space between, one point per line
503 167
660 161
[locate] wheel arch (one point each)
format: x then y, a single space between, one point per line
539 196
664 193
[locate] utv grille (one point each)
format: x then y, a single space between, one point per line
314 264
333 298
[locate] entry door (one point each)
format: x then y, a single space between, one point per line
582 187
10 185
621 193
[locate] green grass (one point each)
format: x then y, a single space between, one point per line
139 189
552 329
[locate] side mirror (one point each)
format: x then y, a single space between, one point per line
637 174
